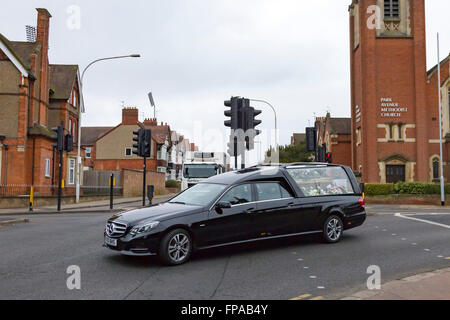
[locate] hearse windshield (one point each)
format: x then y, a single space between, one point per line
200 195
321 181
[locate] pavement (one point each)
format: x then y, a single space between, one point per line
425 286
37 255
88 207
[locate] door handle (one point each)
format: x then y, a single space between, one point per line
250 210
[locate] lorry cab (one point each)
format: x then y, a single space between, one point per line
200 166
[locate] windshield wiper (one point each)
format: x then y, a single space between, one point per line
178 202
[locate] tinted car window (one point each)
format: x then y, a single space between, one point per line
268 191
200 194
284 193
321 181
239 195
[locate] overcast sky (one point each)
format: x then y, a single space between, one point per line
197 53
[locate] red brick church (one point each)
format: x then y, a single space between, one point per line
394 98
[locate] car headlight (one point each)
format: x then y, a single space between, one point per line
144 228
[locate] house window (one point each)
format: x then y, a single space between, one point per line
435 169
72 171
128 152
449 100
74 129
74 98
47 168
88 153
391 9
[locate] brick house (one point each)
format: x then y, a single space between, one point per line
394 99
112 149
334 135
298 138
89 136
34 97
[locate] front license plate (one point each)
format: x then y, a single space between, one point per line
111 242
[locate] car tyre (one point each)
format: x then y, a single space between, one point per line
175 247
333 229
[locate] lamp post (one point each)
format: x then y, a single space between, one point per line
79 117
276 119
440 124
6 148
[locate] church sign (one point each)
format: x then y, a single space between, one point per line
391 108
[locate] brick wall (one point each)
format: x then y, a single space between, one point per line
132 182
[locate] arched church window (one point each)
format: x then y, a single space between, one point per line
435 168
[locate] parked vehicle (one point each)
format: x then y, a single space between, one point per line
200 166
250 205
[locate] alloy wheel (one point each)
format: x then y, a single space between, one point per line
334 229
179 247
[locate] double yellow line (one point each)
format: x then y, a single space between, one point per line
307 297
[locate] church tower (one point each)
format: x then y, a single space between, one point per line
390 125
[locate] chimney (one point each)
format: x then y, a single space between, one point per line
130 116
151 122
43 27
42 37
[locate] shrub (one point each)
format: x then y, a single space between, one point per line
378 189
172 184
416 188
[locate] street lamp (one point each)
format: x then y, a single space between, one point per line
79 116
4 146
276 120
440 124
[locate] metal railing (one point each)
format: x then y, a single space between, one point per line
22 190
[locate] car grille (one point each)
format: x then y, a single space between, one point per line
115 229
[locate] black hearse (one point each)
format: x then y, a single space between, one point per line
254 204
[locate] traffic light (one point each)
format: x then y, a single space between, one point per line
147 143
311 139
138 146
68 143
59 137
233 113
329 157
250 125
143 143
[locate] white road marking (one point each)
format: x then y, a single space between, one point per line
305 268
300 260
399 215
320 288
404 239
313 277
427 250
414 244
394 234
440 257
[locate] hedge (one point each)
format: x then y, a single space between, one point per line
418 188
172 184
379 189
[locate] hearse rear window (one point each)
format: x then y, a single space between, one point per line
321 181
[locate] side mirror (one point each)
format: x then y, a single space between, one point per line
222 205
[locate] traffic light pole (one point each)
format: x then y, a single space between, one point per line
235 153
144 182
61 154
